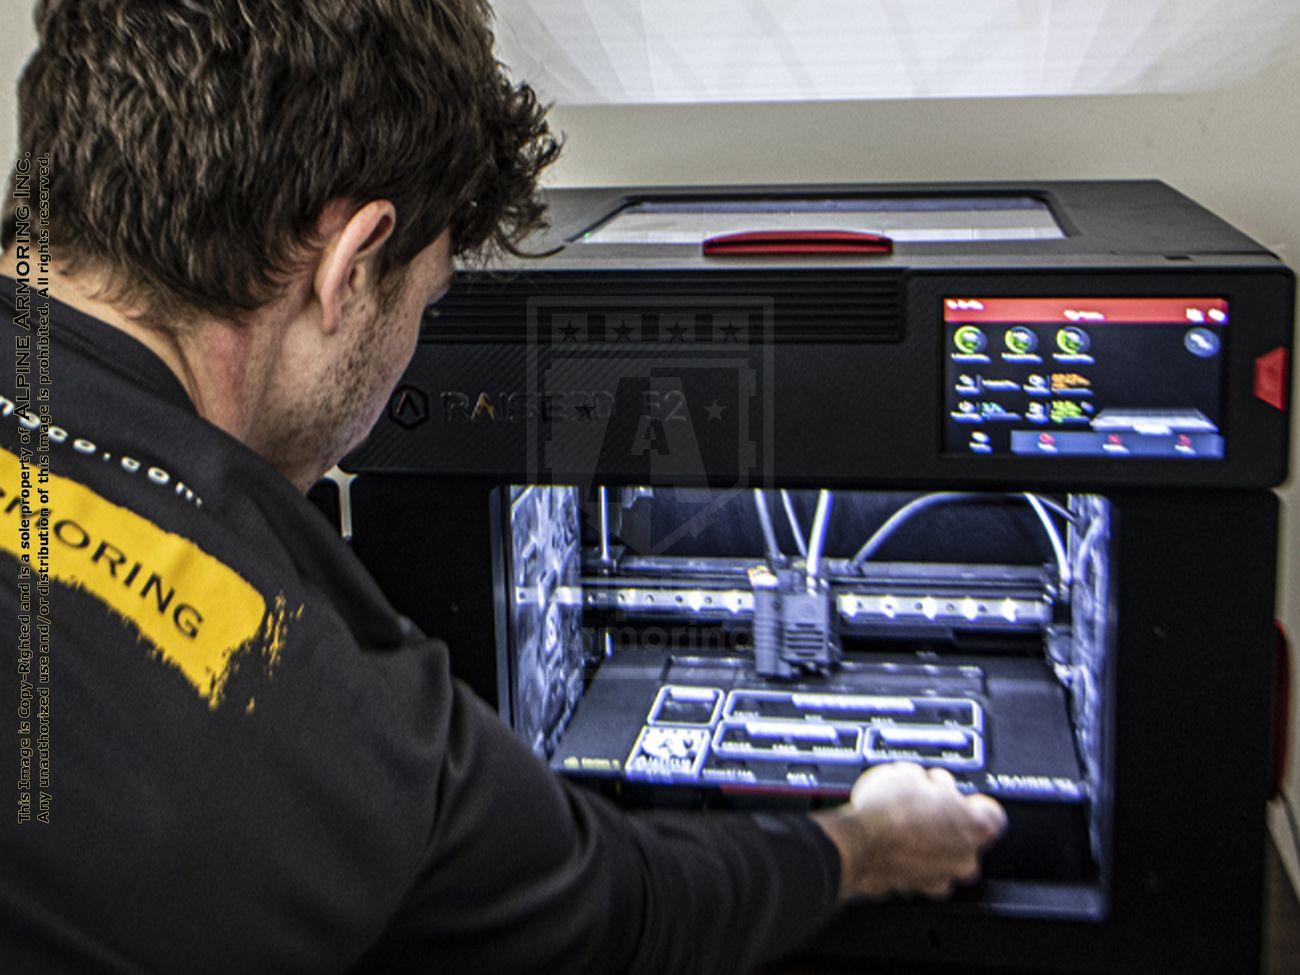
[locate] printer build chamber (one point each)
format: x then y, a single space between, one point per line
742 648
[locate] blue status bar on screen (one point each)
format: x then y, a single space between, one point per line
1081 443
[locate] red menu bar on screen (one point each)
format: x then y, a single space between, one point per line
1076 311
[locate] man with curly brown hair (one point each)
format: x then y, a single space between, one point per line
231 754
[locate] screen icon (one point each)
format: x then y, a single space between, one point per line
1072 341
970 340
1037 385
1067 411
1020 340
1071 383
1201 342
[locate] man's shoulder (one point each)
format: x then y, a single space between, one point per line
200 555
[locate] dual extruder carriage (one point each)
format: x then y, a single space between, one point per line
741 491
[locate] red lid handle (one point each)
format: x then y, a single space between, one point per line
794 242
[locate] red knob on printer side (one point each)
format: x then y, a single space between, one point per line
1271 378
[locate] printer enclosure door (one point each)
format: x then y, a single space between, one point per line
1160 870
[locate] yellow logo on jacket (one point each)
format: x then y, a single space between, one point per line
195 610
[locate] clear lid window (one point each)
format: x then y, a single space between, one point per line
903 219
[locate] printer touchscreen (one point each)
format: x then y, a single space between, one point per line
1098 377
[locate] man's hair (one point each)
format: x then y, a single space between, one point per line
194 143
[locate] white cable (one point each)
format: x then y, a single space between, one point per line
795 530
769 533
1040 506
1086 546
604 525
817 542
1057 508
1054 536
882 533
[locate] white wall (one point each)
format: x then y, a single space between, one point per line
1237 151
17 38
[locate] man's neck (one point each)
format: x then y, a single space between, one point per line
221 365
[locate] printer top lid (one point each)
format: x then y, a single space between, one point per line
930 224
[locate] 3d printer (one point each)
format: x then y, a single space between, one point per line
741 491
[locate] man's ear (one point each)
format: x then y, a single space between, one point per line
349 262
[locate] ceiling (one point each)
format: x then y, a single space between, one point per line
591 52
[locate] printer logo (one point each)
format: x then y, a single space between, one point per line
682 385
485 406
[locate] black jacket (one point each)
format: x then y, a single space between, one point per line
227 753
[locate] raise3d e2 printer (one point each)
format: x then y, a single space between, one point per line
739 491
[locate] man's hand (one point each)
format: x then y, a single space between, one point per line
909 831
